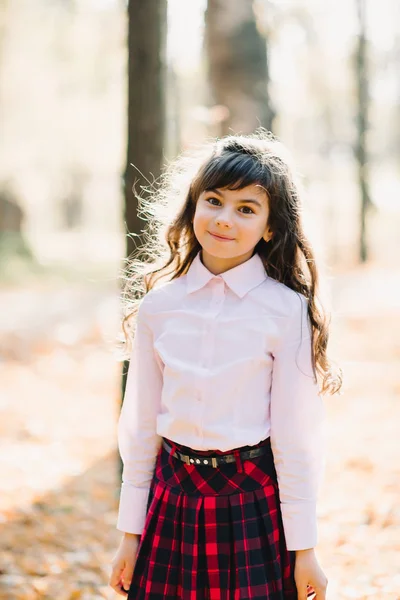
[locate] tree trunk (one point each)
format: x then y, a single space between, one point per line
147 23
237 66
362 124
146 104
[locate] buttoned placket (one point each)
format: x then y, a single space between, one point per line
207 349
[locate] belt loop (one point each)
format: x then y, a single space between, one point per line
238 459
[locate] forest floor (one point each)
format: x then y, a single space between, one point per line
58 461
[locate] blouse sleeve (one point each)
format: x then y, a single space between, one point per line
297 430
138 440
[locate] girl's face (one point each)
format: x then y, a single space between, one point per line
240 217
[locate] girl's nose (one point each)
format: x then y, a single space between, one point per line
223 219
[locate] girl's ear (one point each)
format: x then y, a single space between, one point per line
267 235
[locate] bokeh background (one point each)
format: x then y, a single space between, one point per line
89 87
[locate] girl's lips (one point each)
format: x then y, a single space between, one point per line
221 239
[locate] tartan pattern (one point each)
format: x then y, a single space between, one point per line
213 534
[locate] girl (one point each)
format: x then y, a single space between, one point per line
221 428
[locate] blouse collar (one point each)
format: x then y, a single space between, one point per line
240 279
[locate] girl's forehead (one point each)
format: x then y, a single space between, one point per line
232 171
252 189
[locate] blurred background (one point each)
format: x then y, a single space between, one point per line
89 88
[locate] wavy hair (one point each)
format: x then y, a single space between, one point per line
170 245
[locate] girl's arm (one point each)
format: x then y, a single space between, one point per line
138 440
297 430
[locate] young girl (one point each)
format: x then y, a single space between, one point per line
221 428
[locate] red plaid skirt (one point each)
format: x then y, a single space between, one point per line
213 533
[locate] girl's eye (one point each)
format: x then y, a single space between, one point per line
210 200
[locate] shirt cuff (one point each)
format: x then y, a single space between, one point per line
300 525
132 509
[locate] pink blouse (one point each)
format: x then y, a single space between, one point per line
218 362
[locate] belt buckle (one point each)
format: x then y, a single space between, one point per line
186 459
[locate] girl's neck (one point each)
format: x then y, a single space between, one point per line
217 265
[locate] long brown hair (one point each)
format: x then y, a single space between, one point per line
170 244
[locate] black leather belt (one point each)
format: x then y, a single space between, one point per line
215 460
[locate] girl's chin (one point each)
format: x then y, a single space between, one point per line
214 245
220 252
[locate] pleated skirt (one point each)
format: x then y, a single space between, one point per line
213 533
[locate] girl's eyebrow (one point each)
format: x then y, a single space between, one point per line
248 200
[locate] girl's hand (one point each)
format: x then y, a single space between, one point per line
309 577
123 564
